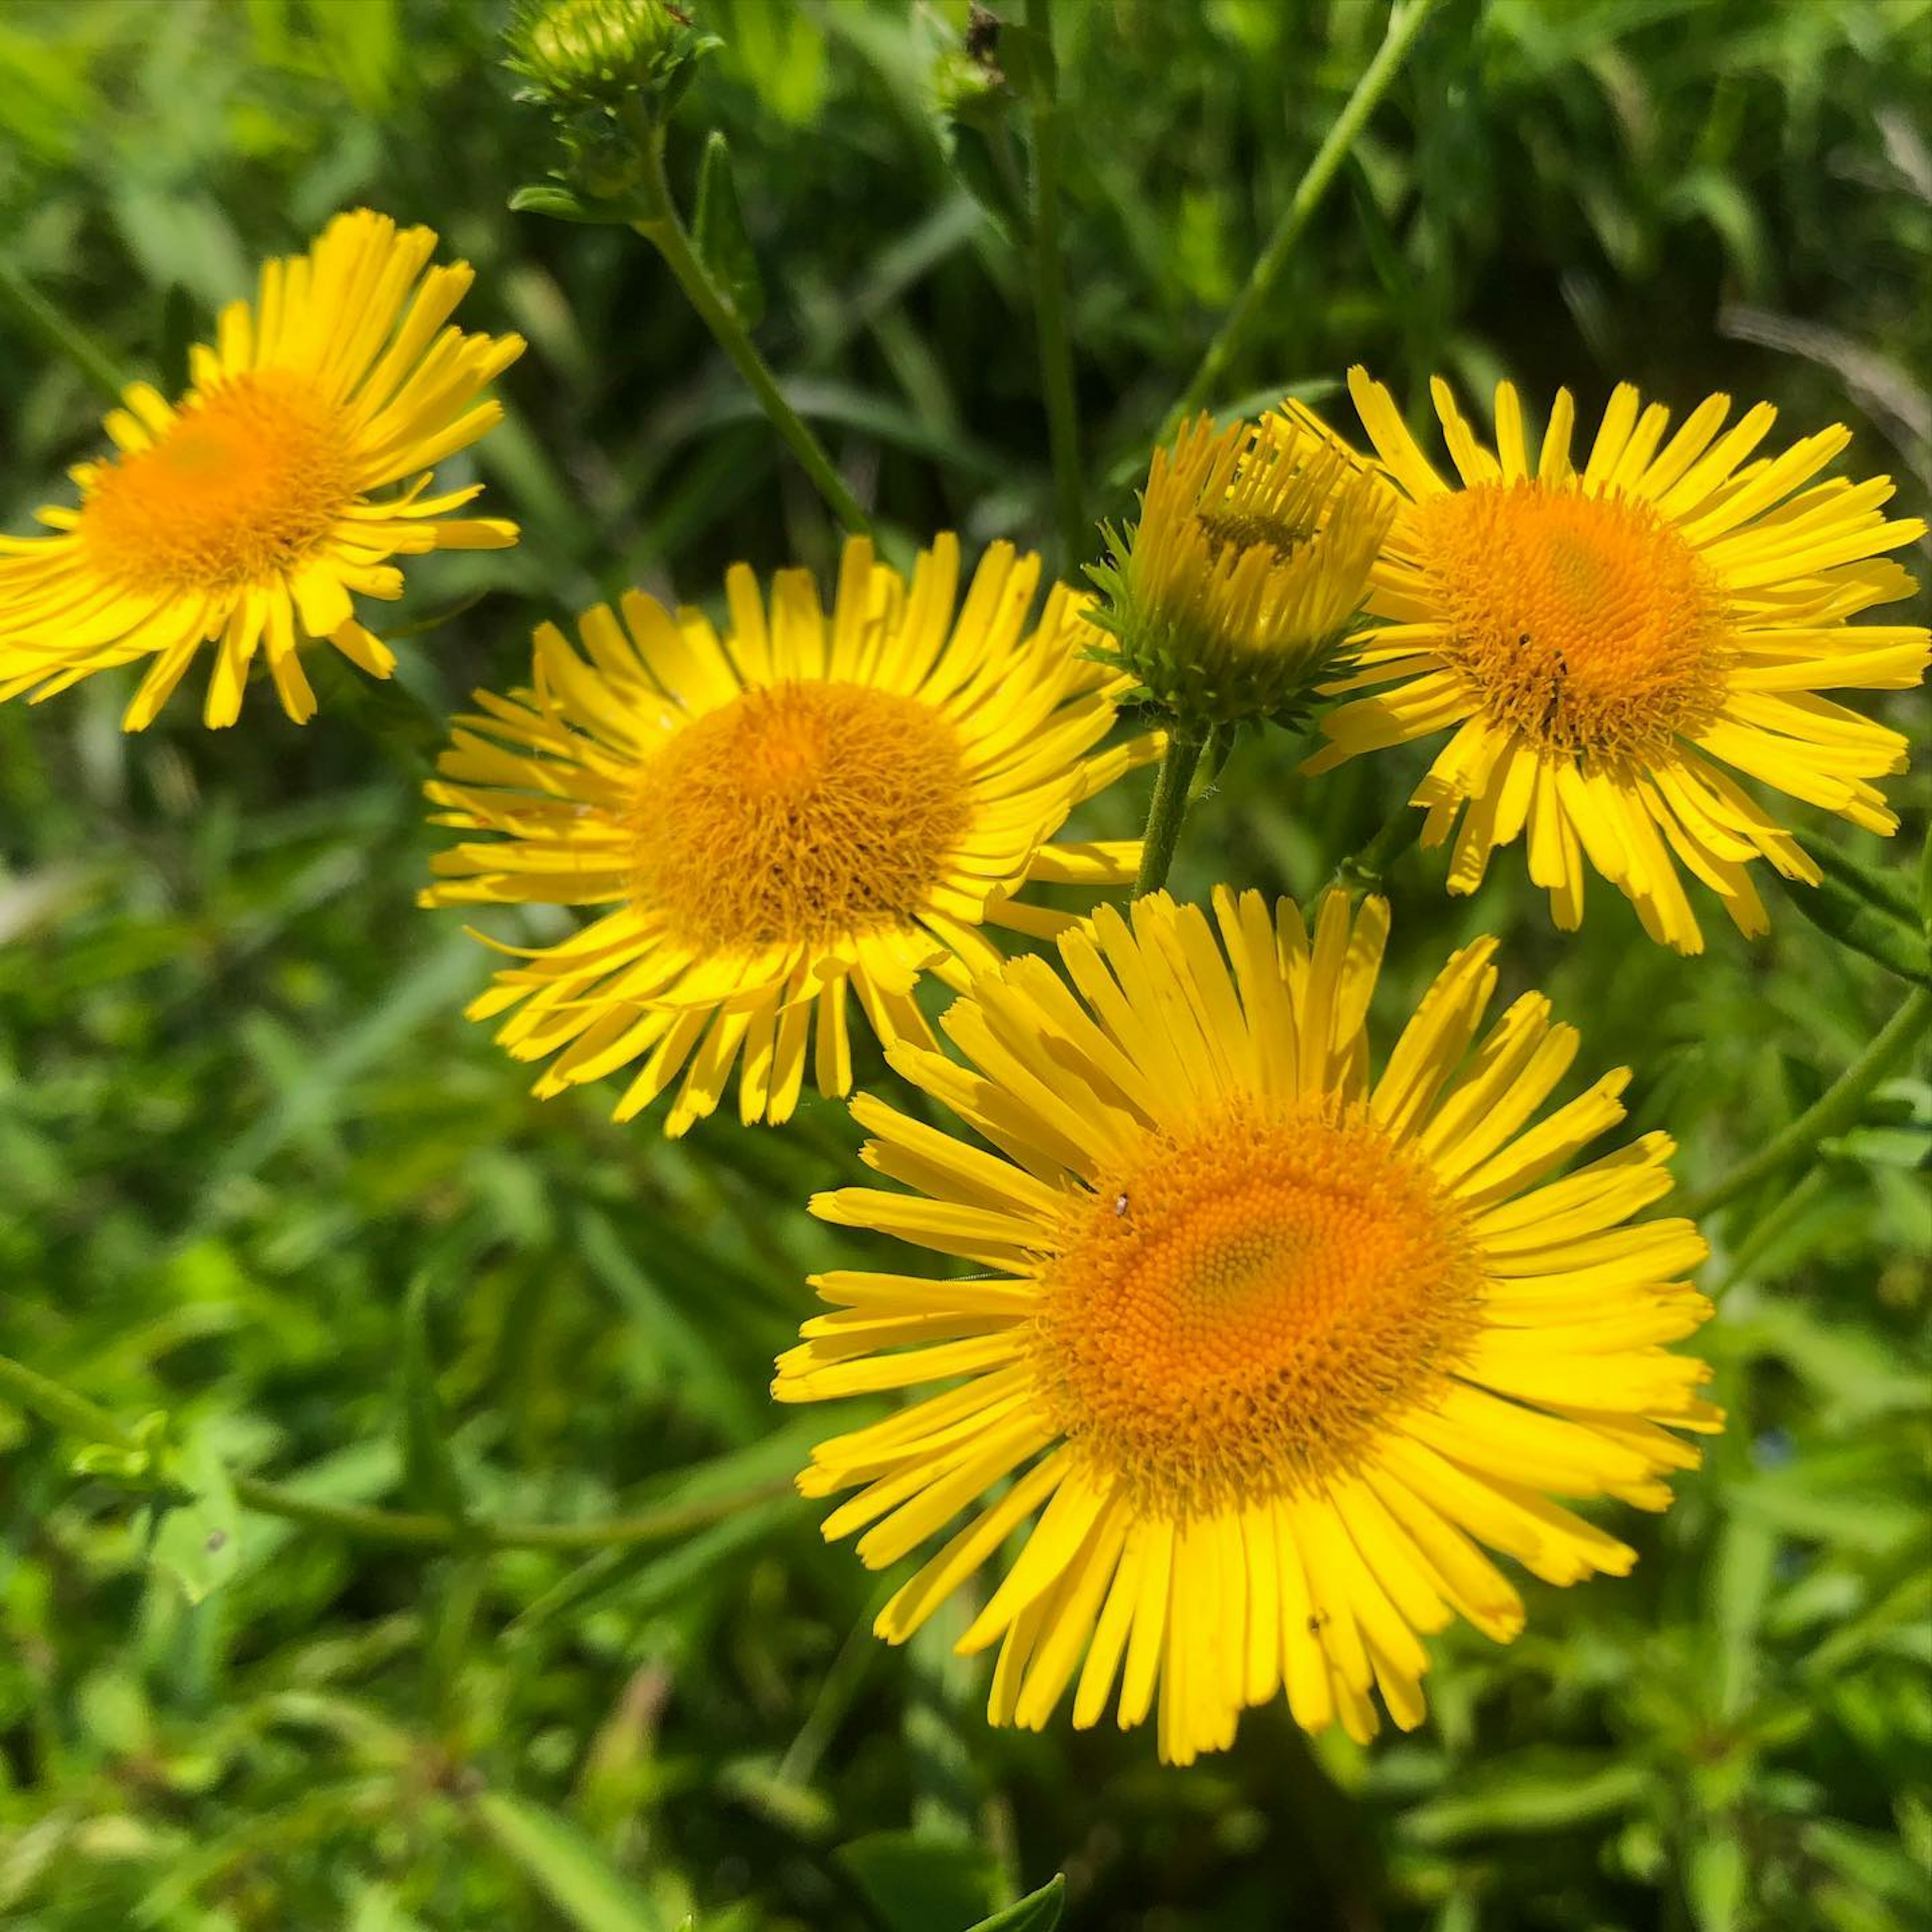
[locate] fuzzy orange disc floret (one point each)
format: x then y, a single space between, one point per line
799 810
240 487
1236 1314
1588 623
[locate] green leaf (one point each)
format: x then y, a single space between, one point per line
1038 1911
1538 1789
1861 911
560 204
916 1882
197 1541
571 1872
718 233
430 1477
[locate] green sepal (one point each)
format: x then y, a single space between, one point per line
718 233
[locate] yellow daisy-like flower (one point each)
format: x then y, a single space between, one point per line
1266 1346
1225 602
1604 640
245 515
807 807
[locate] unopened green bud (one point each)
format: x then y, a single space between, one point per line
579 54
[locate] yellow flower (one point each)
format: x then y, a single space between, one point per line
804 808
245 515
1605 640
1263 1346
1251 558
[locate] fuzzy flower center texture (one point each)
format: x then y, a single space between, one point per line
800 812
241 488
1587 622
1233 1315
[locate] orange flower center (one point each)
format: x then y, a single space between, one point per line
1587 622
800 812
1235 1314
248 480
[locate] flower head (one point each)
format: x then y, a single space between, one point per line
1226 602
804 808
247 514
1264 1344
1605 640
575 53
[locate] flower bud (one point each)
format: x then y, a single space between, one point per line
1226 602
586 55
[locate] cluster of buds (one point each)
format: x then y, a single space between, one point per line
1227 602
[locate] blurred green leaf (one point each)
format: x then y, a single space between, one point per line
915 1882
430 1481
197 1541
1038 1911
569 1871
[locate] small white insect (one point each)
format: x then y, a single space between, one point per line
1119 1205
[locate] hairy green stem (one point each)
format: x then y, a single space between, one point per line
60 332
1405 23
664 229
67 1409
1168 810
1056 357
1835 1109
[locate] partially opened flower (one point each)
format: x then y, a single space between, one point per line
807 808
1263 1345
248 514
1226 600
1603 640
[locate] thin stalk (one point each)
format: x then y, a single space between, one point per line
1167 810
55 1403
60 332
1405 23
664 229
1056 356
67 1409
1836 1108
1362 871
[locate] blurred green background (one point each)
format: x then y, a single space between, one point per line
240 1113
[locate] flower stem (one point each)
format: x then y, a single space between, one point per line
1362 871
1167 810
1405 23
1835 1109
67 1409
60 332
664 229
1056 359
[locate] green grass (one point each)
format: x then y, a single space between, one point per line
256 1172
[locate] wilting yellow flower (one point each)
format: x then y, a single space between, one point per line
1265 1346
1226 602
244 514
1603 640
804 808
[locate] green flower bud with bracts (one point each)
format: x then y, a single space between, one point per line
576 54
1227 601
